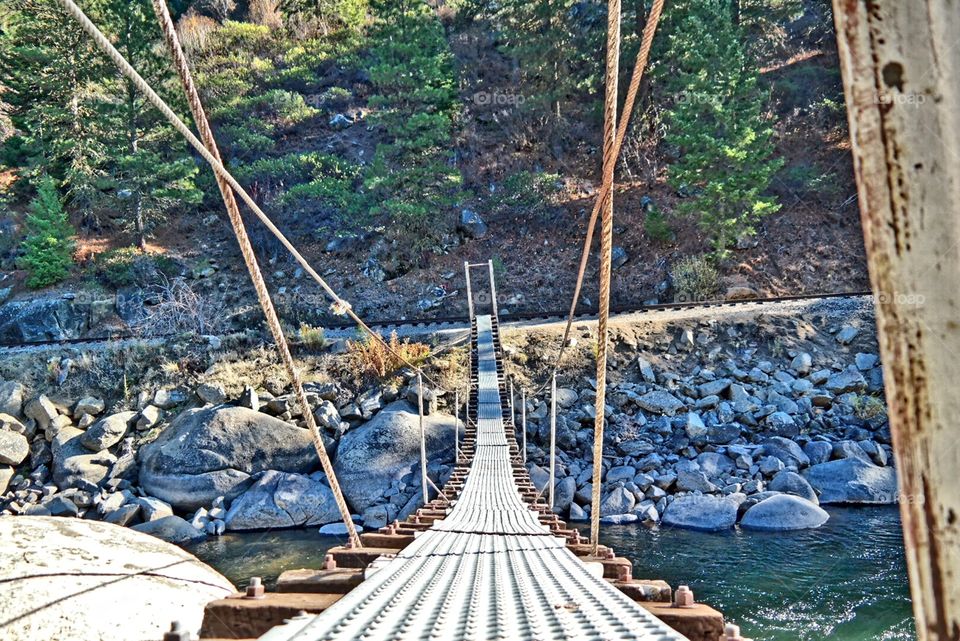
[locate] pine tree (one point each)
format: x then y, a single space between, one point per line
48 248
150 168
717 123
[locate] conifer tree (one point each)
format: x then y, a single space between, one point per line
717 123
48 248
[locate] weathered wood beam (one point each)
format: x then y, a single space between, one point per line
901 73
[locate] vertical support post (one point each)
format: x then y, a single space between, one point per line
466 273
901 77
456 427
493 289
423 440
513 412
523 422
553 438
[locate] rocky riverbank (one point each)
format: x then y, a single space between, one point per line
756 420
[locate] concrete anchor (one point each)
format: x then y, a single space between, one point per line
683 597
255 589
176 633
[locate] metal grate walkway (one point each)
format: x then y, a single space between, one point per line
489 570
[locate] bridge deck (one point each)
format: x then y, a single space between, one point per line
489 569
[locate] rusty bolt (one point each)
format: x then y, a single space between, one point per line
176 633
623 574
683 597
255 589
329 562
732 633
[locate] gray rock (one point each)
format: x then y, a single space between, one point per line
782 424
335 529
14 448
11 398
792 483
123 515
714 388
61 505
660 402
715 465
429 398
171 529
621 473
563 493
851 480
694 481
849 380
212 393
619 257
646 370
387 448
782 513
695 427
801 363
770 465
847 334
699 512
74 465
538 476
107 432
282 500
327 416
818 451
618 501
153 509
42 410
168 398
249 399
11 424
42 319
376 517
566 398
865 362
95 572
210 452
471 224
577 514
149 417
6 474
88 405
785 450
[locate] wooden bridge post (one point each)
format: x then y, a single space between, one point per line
513 412
901 74
423 441
553 438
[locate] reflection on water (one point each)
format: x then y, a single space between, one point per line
846 581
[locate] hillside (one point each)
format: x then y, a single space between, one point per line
367 140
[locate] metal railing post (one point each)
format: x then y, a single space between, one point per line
523 421
466 273
493 289
513 412
423 440
456 427
553 438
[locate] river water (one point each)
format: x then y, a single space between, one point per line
845 581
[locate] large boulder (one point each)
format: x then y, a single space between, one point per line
88 580
42 319
784 512
172 529
387 448
702 512
852 480
14 447
785 450
74 465
213 451
282 500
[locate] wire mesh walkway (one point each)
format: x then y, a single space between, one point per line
489 569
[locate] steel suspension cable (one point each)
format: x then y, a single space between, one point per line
643 56
606 252
339 305
250 259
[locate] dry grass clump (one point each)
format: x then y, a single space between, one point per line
372 358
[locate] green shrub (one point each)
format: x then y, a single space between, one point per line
312 336
48 247
656 226
695 279
527 192
129 266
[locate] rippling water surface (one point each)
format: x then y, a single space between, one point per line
846 581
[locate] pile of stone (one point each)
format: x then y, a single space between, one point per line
218 465
762 443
